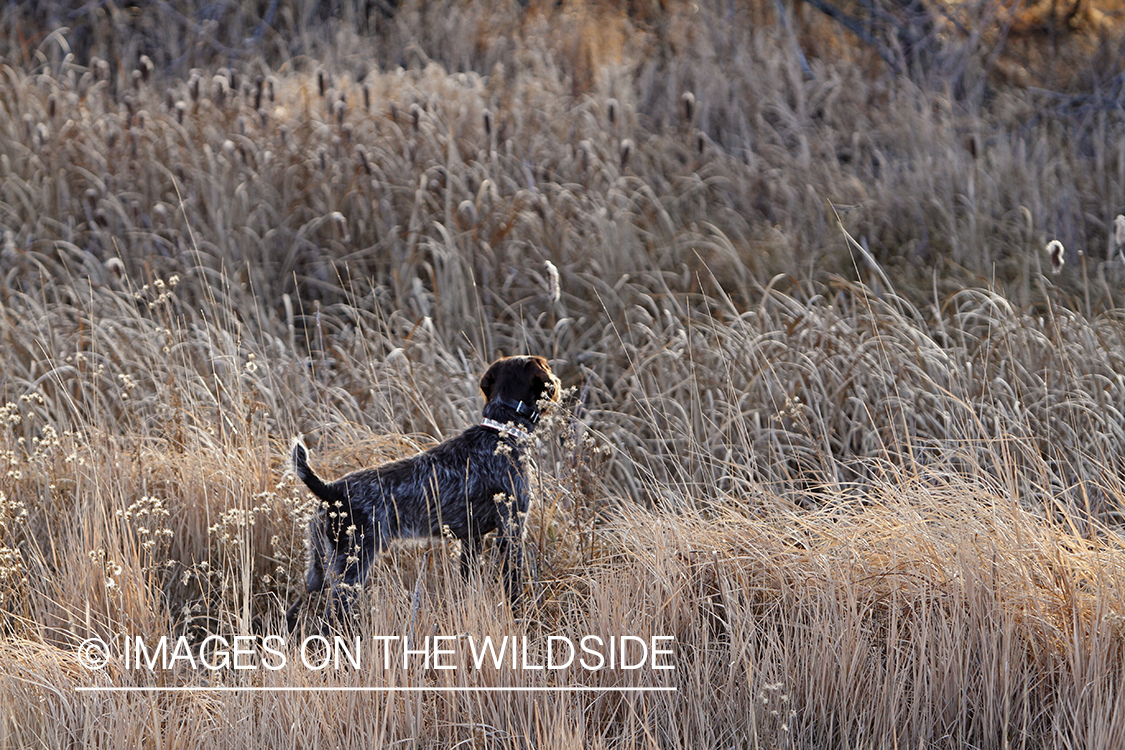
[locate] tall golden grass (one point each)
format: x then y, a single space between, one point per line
875 506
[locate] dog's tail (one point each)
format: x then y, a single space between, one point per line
308 476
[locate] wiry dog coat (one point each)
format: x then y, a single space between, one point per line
469 485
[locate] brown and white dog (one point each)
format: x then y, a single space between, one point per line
467 486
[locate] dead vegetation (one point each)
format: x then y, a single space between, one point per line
875 504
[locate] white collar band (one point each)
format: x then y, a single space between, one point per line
507 429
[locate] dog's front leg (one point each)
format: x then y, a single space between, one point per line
510 545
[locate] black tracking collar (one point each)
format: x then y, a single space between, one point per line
530 413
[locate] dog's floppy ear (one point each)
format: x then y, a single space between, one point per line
488 380
541 375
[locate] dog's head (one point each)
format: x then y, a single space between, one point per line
516 381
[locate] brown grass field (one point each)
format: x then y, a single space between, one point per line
832 422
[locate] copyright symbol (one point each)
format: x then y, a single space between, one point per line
93 654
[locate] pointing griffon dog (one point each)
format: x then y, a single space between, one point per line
470 485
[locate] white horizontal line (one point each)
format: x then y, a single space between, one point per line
365 689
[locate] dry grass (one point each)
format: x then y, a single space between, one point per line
875 506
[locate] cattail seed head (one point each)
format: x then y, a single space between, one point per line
611 111
626 152
219 89
584 155
115 267
553 289
321 82
51 104
688 102
1057 254
487 114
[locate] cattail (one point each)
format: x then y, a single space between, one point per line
1057 254
180 109
321 82
626 152
553 290
1119 230
611 111
487 122
219 89
366 98
51 106
116 267
259 84
688 101
146 67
